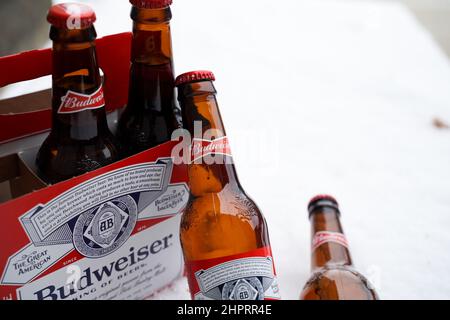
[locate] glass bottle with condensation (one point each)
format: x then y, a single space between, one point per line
152 113
223 233
80 140
334 277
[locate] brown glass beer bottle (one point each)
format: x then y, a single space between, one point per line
223 233
80 140
334 277
152 113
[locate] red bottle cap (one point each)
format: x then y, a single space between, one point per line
194 76
322 197
321 201
151 4
71 16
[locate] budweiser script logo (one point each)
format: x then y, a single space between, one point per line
202 148
74 102
209 147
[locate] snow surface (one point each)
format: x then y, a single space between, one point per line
338 97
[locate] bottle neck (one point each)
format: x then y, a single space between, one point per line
152 74
211 171
329 246
152 40
78 102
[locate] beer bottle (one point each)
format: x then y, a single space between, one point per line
80 140
223 233
334 277
152 113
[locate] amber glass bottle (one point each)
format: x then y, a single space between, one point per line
152 113
224 234
80 140
334 276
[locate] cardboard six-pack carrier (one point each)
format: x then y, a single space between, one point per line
109 234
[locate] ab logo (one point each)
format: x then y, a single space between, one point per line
105 228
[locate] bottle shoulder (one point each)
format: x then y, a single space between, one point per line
59 160
229 201
338 283
102 140
218 224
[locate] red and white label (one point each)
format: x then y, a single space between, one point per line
74 102
202 148
247 276
322 237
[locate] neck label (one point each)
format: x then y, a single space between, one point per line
202 148
74 102
322 237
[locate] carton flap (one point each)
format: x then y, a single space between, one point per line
25 66
19 118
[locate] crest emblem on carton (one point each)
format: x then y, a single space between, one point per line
105 228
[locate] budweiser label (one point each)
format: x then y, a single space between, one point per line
322 237
115 236
127 274
202 148
248 276
74 102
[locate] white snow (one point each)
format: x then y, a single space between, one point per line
334 97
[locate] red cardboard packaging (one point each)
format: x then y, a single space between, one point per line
109 234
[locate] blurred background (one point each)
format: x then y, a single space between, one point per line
22 25
435 16
348 97
19 36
